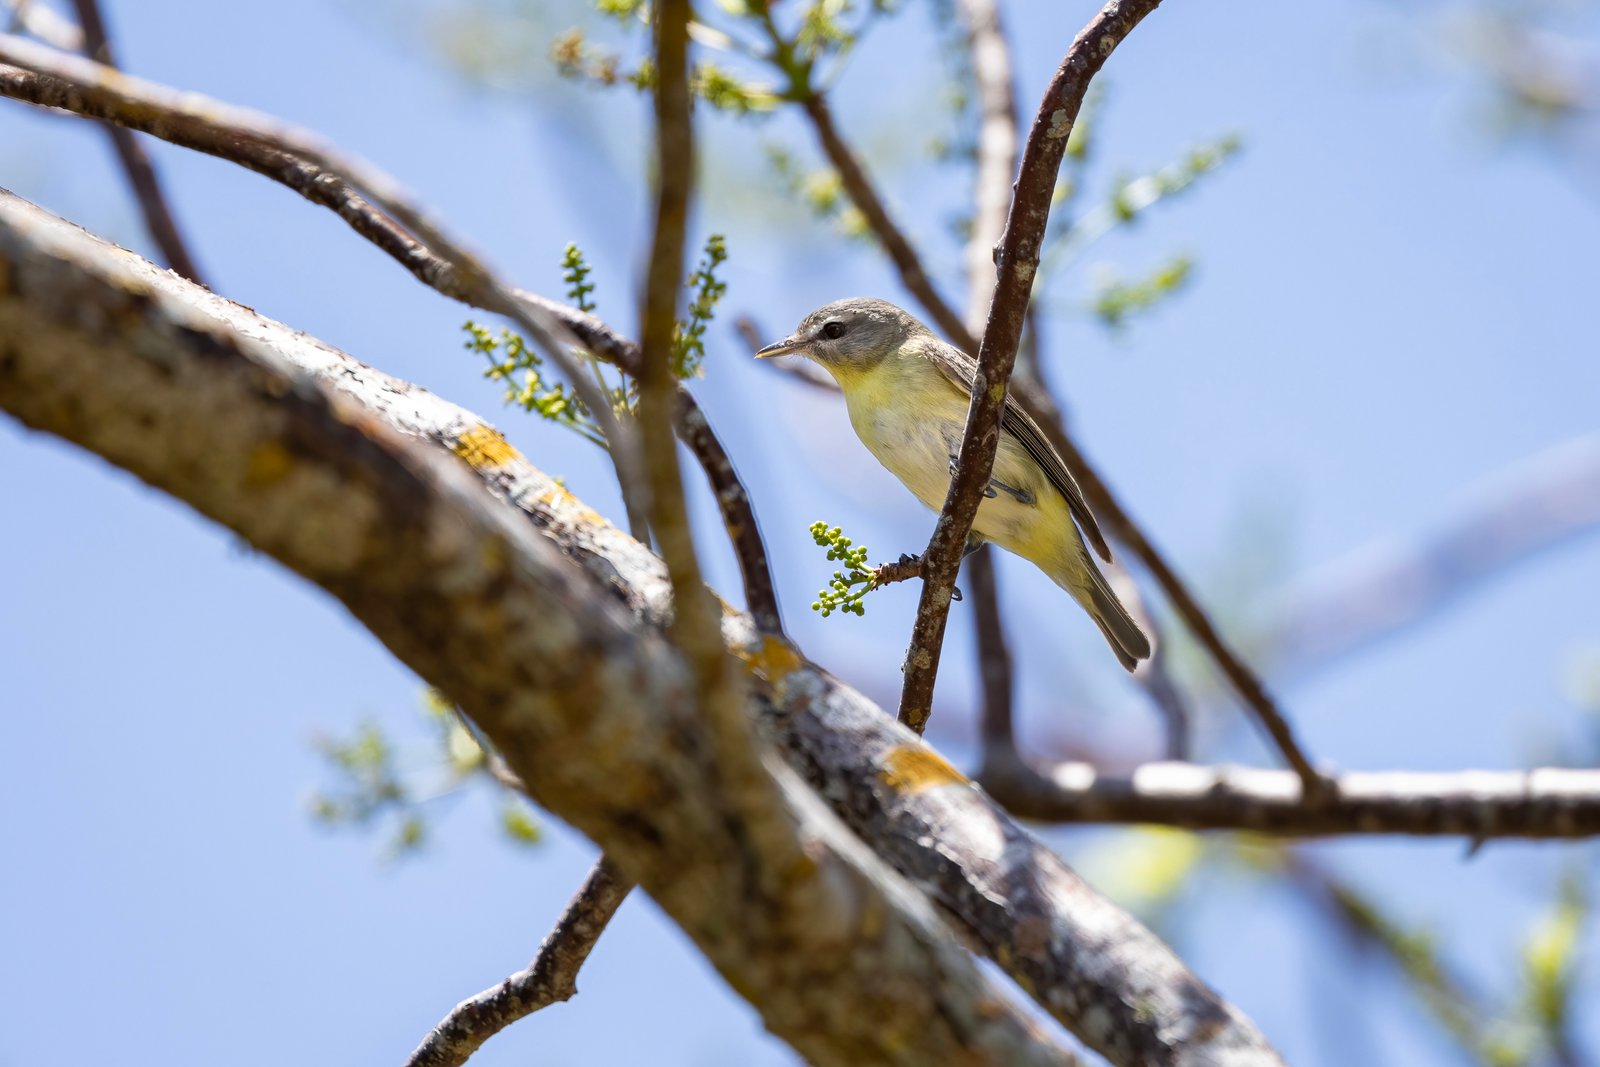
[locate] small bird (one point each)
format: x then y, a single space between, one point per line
907 394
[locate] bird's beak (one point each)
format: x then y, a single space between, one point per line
786 347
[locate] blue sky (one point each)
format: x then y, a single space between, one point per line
1388 306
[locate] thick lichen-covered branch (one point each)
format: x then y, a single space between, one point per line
541 620
592 708
301 162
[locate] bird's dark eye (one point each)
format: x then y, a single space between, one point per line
833 330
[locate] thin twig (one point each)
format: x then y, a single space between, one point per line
136 164
696 625
996 730
1542 804
270 148
738 514
996 164
549 979
906 261
1016 260
1155 678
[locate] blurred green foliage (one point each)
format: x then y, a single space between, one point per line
377 787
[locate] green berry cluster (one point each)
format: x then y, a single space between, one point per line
850 586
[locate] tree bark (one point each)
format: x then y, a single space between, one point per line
545 627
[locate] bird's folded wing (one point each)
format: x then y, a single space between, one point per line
961 370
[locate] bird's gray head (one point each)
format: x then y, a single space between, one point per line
853 334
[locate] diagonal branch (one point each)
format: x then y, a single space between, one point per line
990 59
136 164
584 699
614 750
269 148
1016 259
551 978
895 244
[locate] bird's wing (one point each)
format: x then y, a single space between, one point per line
961 369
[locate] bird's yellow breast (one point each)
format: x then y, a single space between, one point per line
911 417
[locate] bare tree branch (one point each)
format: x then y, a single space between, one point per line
269 148
582 698
550 978
136 164
893 239
1016 259
371 201
996 729
615 752
1548 803
696 622
1156 679
990 59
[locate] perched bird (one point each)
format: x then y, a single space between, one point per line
907 394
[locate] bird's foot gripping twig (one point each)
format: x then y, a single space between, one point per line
902 569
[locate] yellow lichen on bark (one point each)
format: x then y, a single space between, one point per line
774 660
909 769
483 446
270 463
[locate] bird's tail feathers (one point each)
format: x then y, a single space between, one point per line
1123 634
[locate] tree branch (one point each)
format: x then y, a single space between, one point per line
895 244
1543 804
1016 260
583 699
990 59
996 730
551 977
136 164
996 157
616 751
371 201
271 149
